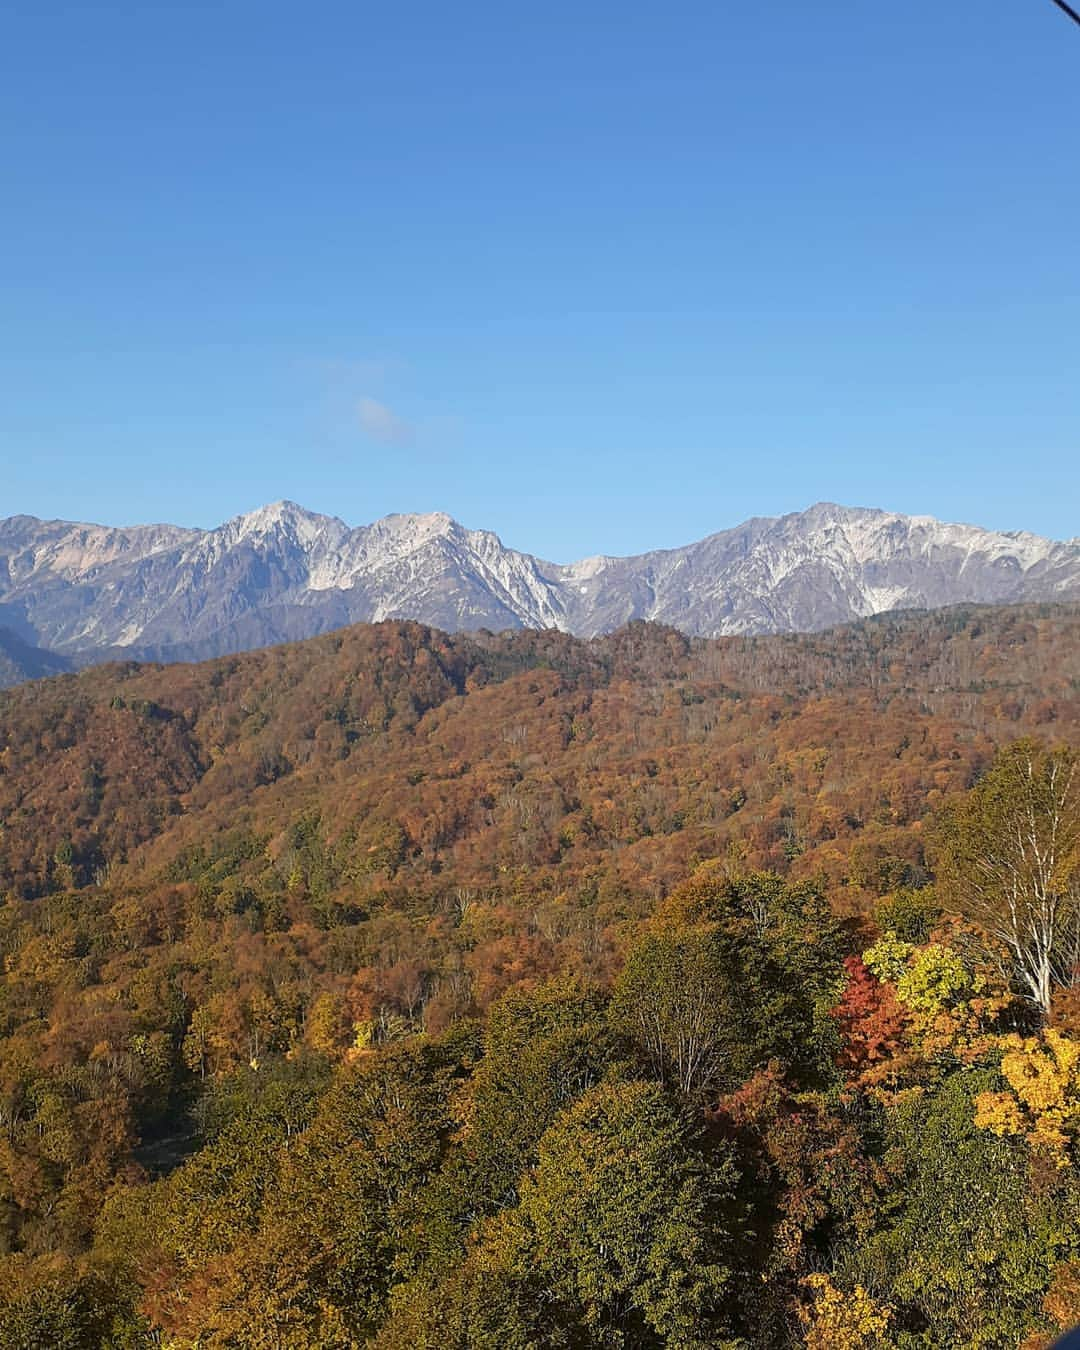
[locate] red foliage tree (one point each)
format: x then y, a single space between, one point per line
870 1019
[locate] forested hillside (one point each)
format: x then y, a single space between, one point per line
398 988
394 760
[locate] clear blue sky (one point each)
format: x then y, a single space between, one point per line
598 276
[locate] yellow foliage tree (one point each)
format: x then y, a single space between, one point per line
1043 1097
951 1001
840 1321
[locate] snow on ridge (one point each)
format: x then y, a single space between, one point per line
881 599
285 516
85 588
875 536
406 541
84 548
586 568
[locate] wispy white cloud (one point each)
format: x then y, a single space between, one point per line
383 424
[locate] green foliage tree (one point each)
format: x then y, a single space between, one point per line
542 1048
729 975
910 914
678 997
968 1245
54 1303
622 1222
621 1238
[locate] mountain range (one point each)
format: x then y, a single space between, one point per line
73 593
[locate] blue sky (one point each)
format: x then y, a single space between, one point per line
601 277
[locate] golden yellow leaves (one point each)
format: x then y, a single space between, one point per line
1043 1100
840 1321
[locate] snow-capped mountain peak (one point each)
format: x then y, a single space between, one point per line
283 572
285 518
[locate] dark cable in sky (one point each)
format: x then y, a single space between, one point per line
1068 9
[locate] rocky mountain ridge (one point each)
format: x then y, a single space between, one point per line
93 592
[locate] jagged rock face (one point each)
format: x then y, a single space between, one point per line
281 573
828 565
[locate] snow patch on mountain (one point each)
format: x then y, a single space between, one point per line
281 572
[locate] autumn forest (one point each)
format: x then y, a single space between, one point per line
402 989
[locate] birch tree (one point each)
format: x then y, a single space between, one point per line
1009 857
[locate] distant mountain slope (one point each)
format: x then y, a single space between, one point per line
282 573
19 661
436 761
